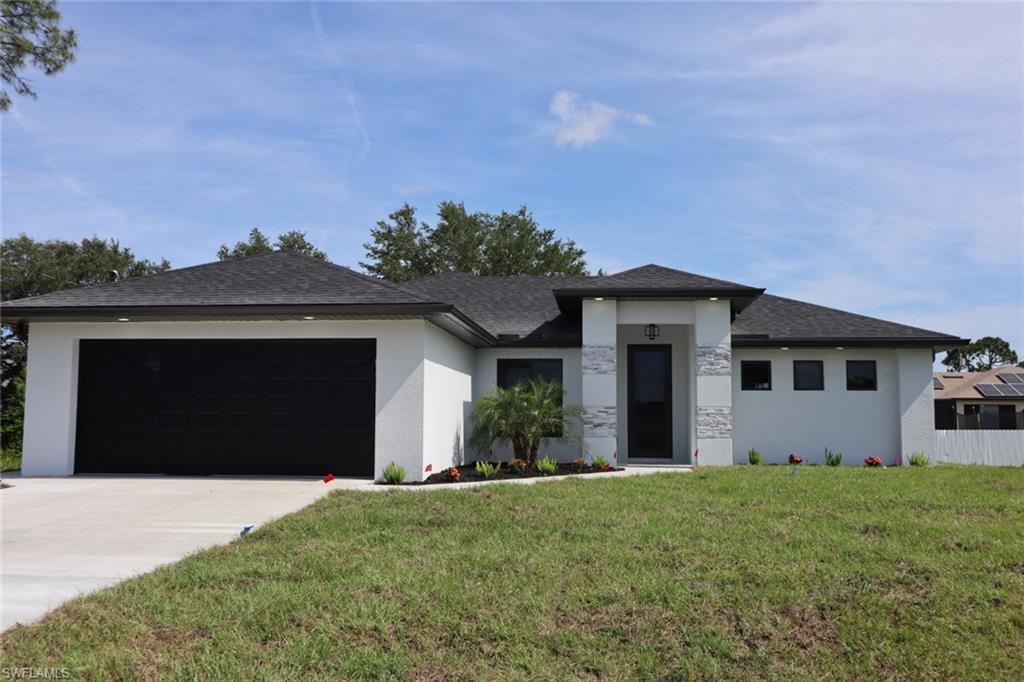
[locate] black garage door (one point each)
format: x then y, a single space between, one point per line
270 407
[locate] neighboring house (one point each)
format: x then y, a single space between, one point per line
989 400
284 365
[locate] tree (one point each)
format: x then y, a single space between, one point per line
30 32
259 243
510 243
523 415
981 355
31 268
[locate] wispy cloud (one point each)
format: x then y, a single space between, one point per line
583 123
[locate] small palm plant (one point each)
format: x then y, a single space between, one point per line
530 410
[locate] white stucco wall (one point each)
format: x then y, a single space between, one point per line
52 380
889 423
485 378
917 402
448 391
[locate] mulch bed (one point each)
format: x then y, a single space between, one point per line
467 474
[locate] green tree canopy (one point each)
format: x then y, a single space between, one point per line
978 356
30 32
509 243
294 240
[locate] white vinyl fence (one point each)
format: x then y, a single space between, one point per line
994 448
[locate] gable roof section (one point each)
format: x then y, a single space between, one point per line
278 285
776 321
519 306
655 281
278 278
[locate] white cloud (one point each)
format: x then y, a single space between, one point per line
582 123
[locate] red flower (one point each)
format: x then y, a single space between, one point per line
454 474
795 459
873 461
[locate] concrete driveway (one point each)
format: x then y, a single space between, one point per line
62 537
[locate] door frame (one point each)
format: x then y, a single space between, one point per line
666 348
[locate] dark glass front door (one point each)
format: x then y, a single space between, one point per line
650 401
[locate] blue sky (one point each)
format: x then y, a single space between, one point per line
868 157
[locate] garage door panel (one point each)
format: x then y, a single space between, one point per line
276 407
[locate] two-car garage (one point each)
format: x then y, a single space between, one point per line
239 407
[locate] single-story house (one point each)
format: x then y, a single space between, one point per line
282 364
989 400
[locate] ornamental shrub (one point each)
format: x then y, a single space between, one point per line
393 474
547 466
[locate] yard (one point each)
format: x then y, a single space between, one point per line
743 572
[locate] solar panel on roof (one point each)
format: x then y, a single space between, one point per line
936 383
989 390
1011 378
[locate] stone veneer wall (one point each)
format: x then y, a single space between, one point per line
599 359
714 360
600 421
714 422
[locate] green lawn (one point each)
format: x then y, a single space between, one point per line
738 573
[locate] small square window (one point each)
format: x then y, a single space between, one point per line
861 375
756 375
808 375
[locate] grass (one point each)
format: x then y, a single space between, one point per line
738 573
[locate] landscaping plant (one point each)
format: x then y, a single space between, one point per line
516 465
833 459
601 464
872 462
918 459
523 414
454 475
485 468
579 464
755 457
795 459
547 466
394 474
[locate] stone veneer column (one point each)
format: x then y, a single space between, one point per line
600 320
713 410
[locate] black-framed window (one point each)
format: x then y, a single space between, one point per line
756 375
511 371
861 375
808 375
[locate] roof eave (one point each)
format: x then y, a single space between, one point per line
739 297
11 315
764 341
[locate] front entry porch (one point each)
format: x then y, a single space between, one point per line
656 380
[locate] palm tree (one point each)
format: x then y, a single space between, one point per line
530 410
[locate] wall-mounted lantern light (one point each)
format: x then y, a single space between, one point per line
652 331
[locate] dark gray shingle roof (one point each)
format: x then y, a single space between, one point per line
523 306
781 319
653 276
278 278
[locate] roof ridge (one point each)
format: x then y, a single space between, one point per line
359 275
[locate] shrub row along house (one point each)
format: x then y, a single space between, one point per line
283 364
